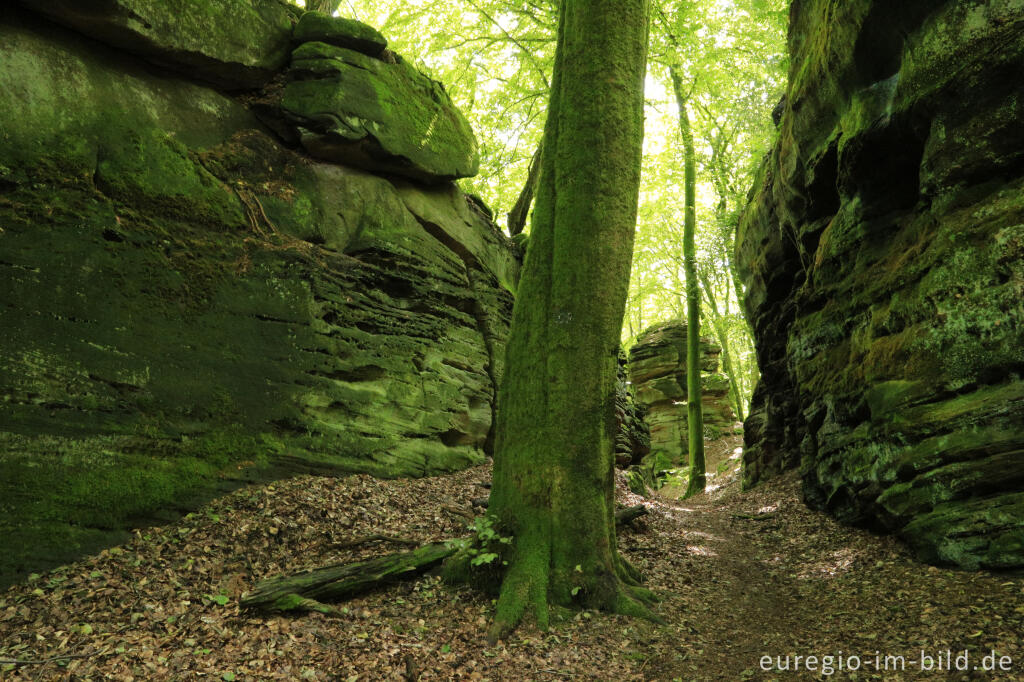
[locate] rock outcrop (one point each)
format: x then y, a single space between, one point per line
235 44
375 113
188 302
883 251
657 371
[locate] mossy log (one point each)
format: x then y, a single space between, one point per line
308 591
624 516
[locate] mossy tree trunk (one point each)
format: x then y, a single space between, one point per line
553 465
718 321
694 416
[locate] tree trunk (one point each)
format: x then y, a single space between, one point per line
695 419
553 465
521 210
306 591
723 338
327 7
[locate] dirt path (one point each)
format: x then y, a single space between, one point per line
762 575
164 606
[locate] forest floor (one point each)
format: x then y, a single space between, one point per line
742 576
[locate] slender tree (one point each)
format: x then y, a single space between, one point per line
553 465
694 415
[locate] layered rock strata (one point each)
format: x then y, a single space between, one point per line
657 372
188 302
883 253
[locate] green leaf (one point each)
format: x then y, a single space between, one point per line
221 599
445 649
228 677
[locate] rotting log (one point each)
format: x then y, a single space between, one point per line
624 516
308 591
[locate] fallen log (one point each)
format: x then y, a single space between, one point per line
624 516
307 591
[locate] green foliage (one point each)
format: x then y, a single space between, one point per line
487 544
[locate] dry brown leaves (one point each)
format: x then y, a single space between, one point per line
164 606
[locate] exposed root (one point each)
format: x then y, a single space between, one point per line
524 590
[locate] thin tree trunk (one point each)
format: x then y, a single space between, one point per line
327 7
521 210
694 415
554 457
723 338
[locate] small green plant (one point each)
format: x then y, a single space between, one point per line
221 599
485 547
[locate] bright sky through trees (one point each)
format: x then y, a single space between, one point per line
495 58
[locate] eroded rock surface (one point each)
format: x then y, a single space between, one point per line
657 370
234 43
187 303
375 114
884 257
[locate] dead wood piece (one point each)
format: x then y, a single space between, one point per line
624 516
468 515
307 591
41 661
480 502
756 517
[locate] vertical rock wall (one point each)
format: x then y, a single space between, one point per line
883 251
189 301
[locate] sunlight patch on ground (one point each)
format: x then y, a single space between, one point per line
698 550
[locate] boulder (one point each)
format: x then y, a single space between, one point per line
883 254
235 44
385 117
340 32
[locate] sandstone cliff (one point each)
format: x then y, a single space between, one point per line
657 371
189 300
883 252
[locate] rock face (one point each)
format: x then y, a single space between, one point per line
233 43
187 303
380 115
883 252
657 371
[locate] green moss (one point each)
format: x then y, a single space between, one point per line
349 96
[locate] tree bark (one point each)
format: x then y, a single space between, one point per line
694 416
327 7
553 464
521 210
307 591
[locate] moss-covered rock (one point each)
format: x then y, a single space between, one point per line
233 43
188 305
882 251
378 115
657 372
341 32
